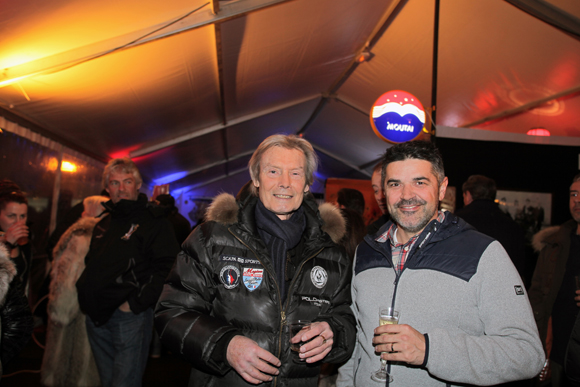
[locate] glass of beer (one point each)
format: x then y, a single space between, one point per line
387 315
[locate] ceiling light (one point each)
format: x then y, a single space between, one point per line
538 132
364 56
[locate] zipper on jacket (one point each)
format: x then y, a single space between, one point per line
283 310
287 302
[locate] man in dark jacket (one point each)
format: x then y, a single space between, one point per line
484 214
555 294
131 253
254 266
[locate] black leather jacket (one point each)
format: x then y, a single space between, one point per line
223 283
15 314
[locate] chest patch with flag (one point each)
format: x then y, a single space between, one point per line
252 278
230 276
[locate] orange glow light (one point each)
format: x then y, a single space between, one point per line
68 167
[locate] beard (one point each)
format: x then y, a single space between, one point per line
413 222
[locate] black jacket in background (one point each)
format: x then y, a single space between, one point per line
488 219
131 253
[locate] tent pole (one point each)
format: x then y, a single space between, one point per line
434 75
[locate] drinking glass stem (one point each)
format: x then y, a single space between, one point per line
383 364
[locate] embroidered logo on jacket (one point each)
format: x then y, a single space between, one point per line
133 228
318 276
519 290
240 260
252 278
230 276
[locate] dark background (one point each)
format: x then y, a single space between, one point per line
514 167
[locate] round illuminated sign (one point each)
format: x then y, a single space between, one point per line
397 116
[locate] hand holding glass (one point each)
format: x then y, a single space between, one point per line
387 315
298 327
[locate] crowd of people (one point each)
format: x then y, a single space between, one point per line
228 296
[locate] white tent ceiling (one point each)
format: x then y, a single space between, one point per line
189 92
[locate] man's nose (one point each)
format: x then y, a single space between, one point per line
284 180
407 192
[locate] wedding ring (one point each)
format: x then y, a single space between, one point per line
323 340
392 349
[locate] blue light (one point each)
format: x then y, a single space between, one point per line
170 178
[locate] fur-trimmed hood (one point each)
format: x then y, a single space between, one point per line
7 272
224 209
550 235
539 238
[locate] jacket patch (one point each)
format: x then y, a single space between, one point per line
133 228
230 276
519 290
252 278
240 260
318 276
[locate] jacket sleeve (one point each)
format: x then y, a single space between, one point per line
510 349
17 323
538 295
183 315
340 317
346 371
162 247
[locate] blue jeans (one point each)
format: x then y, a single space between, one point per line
121 347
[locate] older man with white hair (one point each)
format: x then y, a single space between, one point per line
254 266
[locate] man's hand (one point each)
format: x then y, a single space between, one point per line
125 307
253 363
322 338
577 298
402 343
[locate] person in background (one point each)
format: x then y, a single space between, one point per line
15 316
14 232
68 359
181 226
352 199
254 266
555 294
482 212
464 314
355 231
381 200
131 252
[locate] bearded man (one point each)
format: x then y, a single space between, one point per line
464 314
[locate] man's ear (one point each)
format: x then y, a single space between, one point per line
306 189
256 183
443 188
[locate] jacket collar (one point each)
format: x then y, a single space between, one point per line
319 220
125 207
433 232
